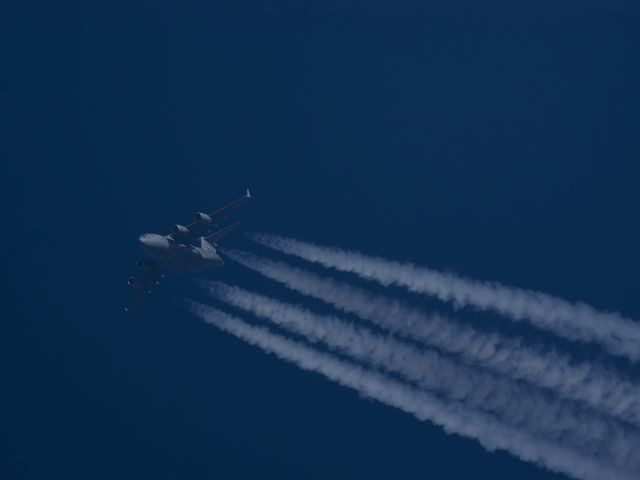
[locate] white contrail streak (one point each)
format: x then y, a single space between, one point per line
521 407
600 388
574 321
452 416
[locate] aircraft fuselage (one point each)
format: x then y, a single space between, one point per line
179 257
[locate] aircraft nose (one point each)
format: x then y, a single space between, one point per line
144 240
152 243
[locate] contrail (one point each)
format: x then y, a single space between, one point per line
600 388
452 416
575 321
511 403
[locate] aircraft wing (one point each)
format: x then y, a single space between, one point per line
142 286
225 211
200 228
217 236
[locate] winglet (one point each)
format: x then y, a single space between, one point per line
248 195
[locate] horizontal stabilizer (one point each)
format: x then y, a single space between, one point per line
215 237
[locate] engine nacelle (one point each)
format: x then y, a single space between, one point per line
181 230
143 264
132 281
203 218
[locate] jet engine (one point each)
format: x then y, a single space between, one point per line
143 264
181 230
203 218
132 281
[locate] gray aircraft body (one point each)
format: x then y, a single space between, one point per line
187 249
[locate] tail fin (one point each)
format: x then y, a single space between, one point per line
216 236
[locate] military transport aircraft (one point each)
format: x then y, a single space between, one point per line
187 250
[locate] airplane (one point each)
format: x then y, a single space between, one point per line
187 249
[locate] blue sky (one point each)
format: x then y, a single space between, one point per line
494 139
